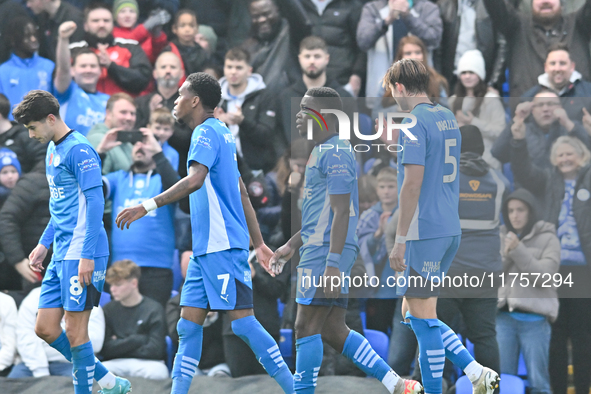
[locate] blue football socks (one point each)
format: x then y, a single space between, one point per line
187 357
265 349
309 351
431 352
83 371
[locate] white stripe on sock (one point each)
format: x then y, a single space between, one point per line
188 371
275 354
190 360
90 381
449 340
446 334
436 360
360 348
454 345
364 353
90 375
439 352
273 349
90 368
437 374
188 366
376 358
437 367
459 349
369 356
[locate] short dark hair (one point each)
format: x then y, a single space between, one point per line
559 46
36 106
4 106
238 54
184 11
313 42
119 96
328 97
410 73
95 6
15 30
206 87
82 51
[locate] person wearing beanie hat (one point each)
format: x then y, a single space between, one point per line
149 34
10 168
473 103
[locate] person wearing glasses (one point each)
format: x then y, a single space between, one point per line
542 120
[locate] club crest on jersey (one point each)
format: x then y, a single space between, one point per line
56 161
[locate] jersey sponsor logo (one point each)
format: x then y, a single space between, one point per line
448 124
247 276
56 193
99 276
338 170
431 266
88 165
307 193
90 118
203 141
229 138
474 184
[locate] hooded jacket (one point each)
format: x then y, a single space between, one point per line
257 137
538 252
548 187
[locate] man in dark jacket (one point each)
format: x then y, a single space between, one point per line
23 219
314 61
547 122
49 15
135 327
125 66
336 22
16 138
248 110
530 36
272 44
561 77
466 26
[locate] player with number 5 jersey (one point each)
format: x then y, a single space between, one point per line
428 231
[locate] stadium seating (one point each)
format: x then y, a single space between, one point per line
169 353
510 384
286 347
105 299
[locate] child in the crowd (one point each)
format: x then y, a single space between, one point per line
162 125
148 34
10 172
185 28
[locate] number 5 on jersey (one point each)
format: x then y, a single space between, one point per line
451 160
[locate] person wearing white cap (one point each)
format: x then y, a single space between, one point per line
474 104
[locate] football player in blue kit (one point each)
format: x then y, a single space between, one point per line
428 233
219 276
74 279
328 248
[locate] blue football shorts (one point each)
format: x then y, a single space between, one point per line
426 259
311 270
61 287
218 281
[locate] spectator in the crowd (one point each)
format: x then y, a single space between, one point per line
162 125
529 36
529 247
383 23
411 47
185 29
208 41
10 172
265 292
25 70
561 77
272 44
473 104
151 245
314 60
15 137
587 121
9 10
249 111
74 83
147 7
38 358
124 65
548 121
119 117
482 190
466 26
148 34
214 13
135 327
49 16
564 198
8 318
336 22
23 218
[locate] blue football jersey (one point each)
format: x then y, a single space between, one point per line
72 167
329 171
437 148
217 215
81 110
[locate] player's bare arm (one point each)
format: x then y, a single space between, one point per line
409 199
192 182
339 203
263 252
36 258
